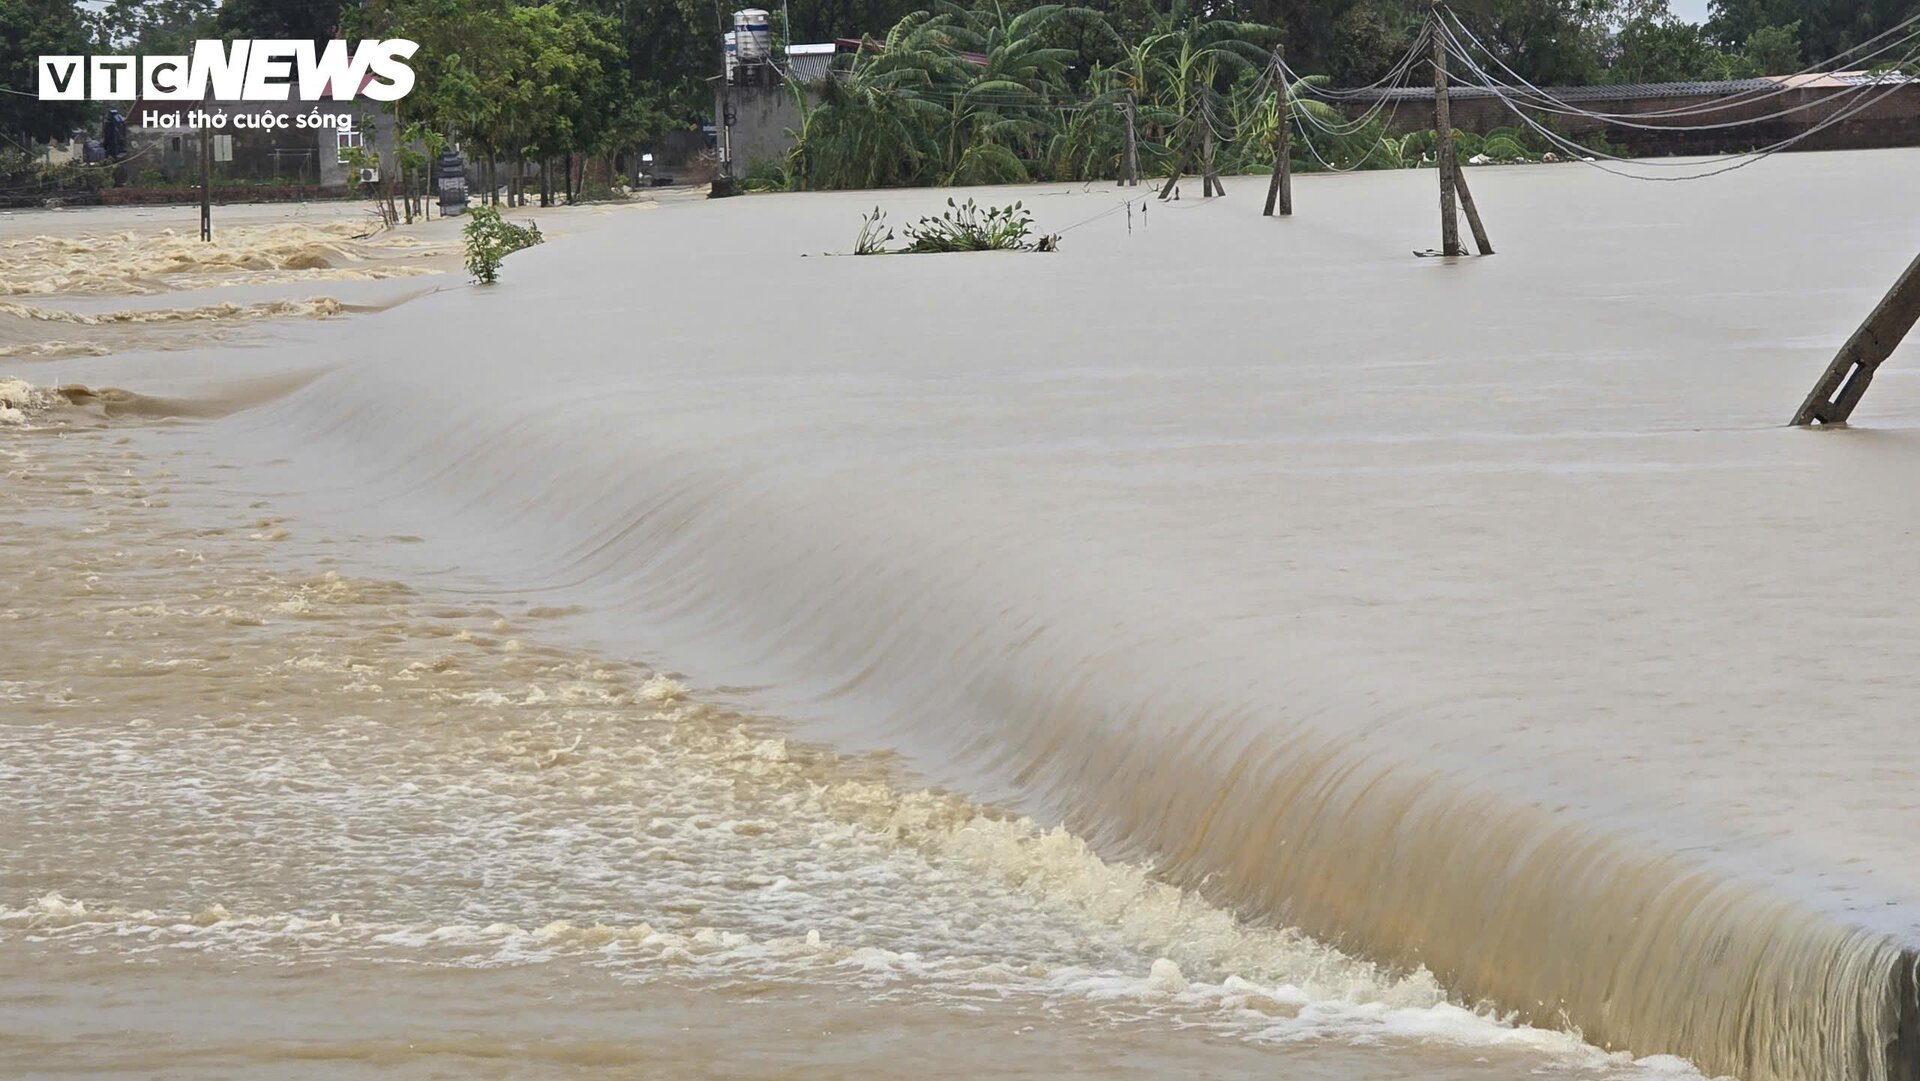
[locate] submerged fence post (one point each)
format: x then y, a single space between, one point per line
1280 188
1846 379
1443 148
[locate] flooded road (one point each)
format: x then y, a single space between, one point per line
1085 641
272 822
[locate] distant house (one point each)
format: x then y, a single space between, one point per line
765 108
160 144
760 98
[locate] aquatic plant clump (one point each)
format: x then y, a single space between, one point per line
491 238
964 226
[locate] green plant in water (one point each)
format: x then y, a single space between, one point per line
970 227
874 234
491 238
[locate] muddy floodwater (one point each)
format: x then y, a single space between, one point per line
1225 647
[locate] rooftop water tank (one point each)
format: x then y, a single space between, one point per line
752 34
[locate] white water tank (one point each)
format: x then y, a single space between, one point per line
732 50
752 34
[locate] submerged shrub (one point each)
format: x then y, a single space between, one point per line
964 226
491 238
969 227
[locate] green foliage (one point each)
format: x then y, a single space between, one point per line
28 178
1504 149
1774 50
152 26
1821 28
874 234
519 80
1656 47
491 238
971 227
964 226
28 29
312 20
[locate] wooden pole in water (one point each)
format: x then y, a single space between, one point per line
1845 381
1131 166
1443 138
206 178
1280 188
1473 215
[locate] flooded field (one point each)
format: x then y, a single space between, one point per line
1225 647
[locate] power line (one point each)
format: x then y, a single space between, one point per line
1745 97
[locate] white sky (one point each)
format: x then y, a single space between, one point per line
1694 11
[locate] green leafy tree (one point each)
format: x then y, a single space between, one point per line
1774 50
312 20
153 26
28 30
1826 27
1550 42
1654 46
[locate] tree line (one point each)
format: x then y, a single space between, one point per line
529 80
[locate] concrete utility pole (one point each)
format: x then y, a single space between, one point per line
1280 188
1845 381
723 176
1186 157
1209 180
1131 166
206 178
1473 214
1443 150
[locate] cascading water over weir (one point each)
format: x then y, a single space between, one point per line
1497 649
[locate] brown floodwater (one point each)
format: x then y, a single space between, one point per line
267 819
1225 645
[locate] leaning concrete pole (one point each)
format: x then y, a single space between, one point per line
1280 188
1845 380
1443 138
1480 240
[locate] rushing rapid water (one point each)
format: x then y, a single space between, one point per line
1480 619
269 819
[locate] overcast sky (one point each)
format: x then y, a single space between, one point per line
1694 11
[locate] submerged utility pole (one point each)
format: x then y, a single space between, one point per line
1845 381
723 176
1186 156
206 177
1443 150
1473 214
1280 188
1130 168
1209 180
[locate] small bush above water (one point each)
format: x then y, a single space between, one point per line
491 238
964 226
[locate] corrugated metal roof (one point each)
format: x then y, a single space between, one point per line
809 67
1840 80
